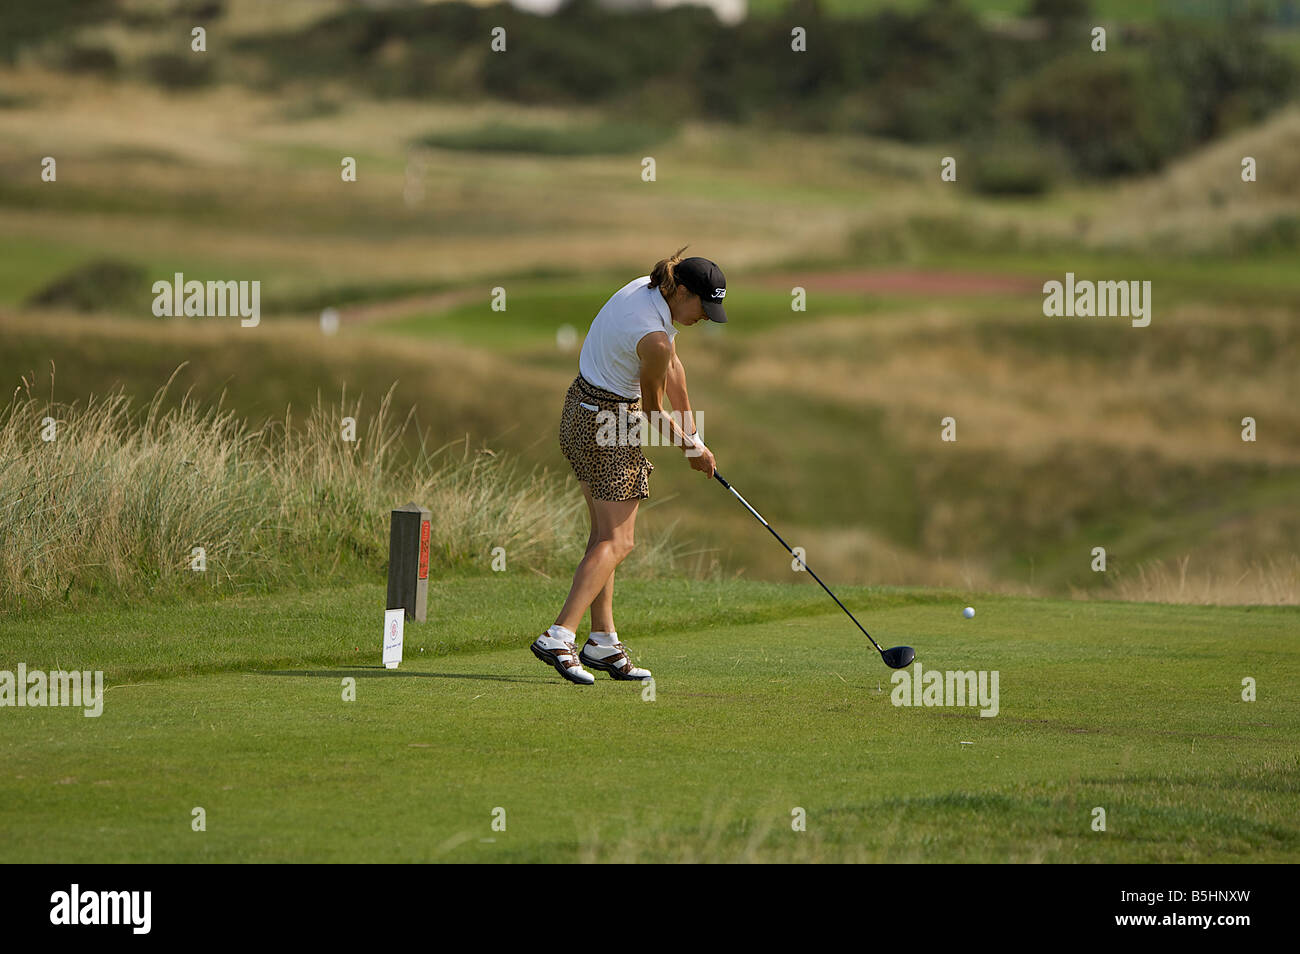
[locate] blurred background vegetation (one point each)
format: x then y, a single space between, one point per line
819 170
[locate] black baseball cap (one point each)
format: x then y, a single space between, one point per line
702 277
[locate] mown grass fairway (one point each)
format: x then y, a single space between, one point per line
766 700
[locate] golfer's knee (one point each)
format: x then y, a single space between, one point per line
622 546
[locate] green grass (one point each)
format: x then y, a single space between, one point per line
535 311
766 699
862 458
608 138
28 264
1187 519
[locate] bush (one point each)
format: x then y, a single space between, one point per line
100 285
1111 114
1281 233
607 138
179 70
1010 162
934 74
24 24
90 59
1229 78
190 11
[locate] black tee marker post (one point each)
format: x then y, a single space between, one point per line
408 561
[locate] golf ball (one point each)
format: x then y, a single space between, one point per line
968 612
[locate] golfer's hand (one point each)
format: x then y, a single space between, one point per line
703 462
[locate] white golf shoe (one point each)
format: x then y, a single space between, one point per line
611 659
563 656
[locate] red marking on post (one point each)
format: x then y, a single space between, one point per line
424 549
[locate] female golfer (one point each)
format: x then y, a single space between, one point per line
628 362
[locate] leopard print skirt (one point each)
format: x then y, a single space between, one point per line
614 464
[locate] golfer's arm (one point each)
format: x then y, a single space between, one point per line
656 354
677 396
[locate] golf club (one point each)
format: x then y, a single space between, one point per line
895 658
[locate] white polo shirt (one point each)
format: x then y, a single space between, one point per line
609 359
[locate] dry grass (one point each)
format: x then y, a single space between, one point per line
725 835
923 365
1194 203
1057 430
116 502
234 149
755 198
1272 582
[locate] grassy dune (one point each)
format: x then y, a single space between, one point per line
114 501
1072 434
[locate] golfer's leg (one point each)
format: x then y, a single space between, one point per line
602 607
593 537
615 523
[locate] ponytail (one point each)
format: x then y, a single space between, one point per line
662 276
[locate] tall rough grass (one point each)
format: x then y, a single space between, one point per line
1271 582
114 505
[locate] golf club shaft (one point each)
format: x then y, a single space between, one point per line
759 516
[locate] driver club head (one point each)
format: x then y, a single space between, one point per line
898 657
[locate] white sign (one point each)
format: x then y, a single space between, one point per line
394 621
